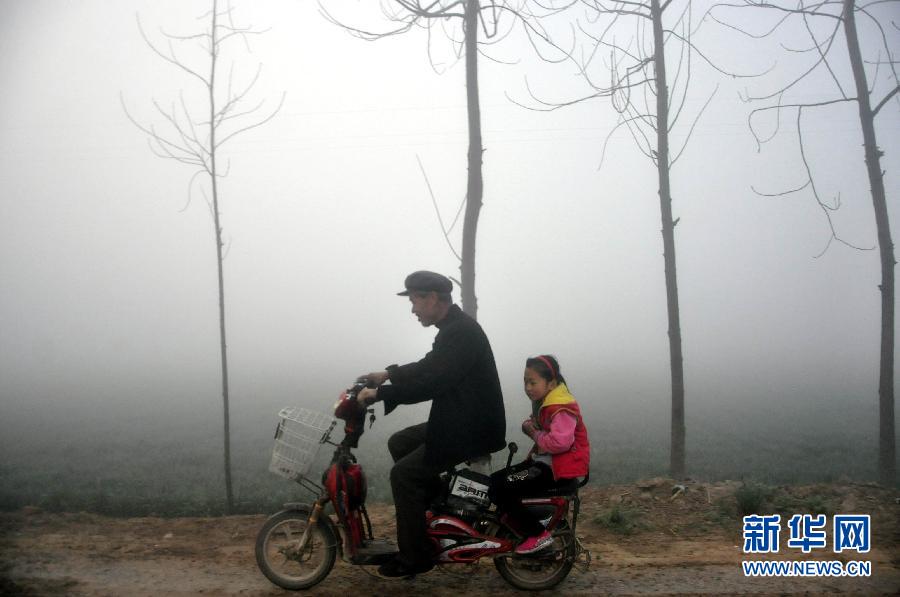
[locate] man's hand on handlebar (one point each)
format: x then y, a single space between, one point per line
367 396
376 378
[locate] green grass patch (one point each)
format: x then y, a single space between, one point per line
752 498
621 520
815 504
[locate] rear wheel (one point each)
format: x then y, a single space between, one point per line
544 569
281 558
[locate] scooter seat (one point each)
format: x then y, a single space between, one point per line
565 487
480 464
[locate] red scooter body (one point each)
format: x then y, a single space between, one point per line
455 541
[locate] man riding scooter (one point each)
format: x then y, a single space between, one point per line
467 417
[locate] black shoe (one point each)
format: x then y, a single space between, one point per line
396 569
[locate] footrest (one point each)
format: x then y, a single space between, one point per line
377 551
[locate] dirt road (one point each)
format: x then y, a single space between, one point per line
656 545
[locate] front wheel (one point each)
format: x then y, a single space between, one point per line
544 569
284 561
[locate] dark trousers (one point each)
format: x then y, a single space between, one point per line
412 483
509 485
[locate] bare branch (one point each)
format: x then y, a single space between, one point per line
433 10
807 12
189 144
436 210
693 125
459 211
885 45
234 99
163 147
826 208
640 136
741 30
778 107
818 48
256 124
170 59
716 67
796 80
185 146
886 99
875 3
189 187
781 193
404 26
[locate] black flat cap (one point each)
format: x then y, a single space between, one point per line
424 281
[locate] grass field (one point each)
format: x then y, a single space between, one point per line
173 466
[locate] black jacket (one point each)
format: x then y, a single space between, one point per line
459 376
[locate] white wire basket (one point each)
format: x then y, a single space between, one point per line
298 437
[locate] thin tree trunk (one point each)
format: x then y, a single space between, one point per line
677 449
475 184
886 438
229 498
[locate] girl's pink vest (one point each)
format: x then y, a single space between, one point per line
576 461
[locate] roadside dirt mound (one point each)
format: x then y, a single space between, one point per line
653 537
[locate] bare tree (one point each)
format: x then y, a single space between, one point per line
194 135
650 100
469 16
873 85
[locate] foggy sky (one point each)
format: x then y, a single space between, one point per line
109 300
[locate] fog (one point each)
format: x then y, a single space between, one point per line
108 306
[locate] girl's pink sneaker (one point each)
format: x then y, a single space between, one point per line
536 543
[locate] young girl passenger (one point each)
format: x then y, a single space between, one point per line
561 450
